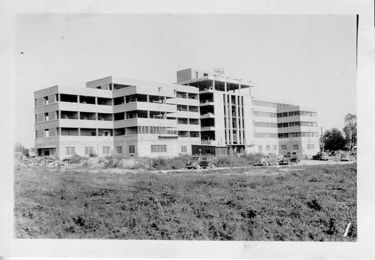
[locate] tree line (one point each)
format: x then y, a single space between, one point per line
334 139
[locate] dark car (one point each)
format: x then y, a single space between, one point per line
290 158
197 163
284 161
322 156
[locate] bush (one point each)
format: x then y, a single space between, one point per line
76 159
253 158
169 163
112 163
92 154
232 161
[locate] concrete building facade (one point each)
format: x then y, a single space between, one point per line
225 111
202 113
117 116
280 128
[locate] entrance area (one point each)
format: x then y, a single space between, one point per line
46 151
209 150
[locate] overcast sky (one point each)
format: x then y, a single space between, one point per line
306 60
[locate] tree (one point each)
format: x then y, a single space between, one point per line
19 147
350 130
333 140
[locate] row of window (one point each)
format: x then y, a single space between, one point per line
283 147
285 135
297 113
298 134
264 114
265 124
284 114
159 148
297 123
265 135
89 150
267 148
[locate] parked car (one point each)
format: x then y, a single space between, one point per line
262 162
284 161
294 160
290 158
197 163
322 156
347 157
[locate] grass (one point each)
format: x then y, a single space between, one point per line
297 203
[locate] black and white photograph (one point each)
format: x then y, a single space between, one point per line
186 127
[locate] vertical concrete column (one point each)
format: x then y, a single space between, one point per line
148 114
96 100
241 120
226 107
78 99
79 131
230 119
148 98
79 115
96 131
237 119
213 84
96 116
59 114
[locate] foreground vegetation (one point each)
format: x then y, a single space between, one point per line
293 203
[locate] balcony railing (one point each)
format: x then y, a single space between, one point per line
207 115
203 128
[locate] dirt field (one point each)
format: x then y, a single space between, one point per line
286 203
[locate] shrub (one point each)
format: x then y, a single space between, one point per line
75 159
169 163
158 163
92 154
112 163
253 158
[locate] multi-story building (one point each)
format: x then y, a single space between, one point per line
225 111
280 128
202 113
117 116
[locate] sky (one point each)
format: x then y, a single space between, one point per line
305 60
